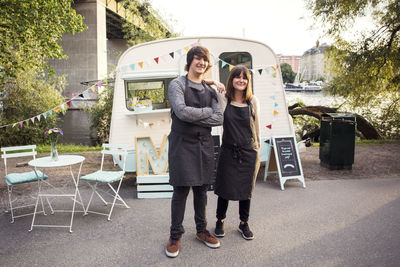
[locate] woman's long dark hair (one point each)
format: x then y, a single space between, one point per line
235 73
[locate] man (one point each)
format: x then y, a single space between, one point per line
194 110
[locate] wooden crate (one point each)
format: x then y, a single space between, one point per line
154 186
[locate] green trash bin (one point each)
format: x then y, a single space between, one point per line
337 140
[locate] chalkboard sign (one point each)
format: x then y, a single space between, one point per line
287 158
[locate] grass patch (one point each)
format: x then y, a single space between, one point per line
70 148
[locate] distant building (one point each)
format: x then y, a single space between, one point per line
293 61
313 63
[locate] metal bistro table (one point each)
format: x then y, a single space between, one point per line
63 161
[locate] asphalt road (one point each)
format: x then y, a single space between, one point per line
330 223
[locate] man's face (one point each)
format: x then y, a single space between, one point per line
199 65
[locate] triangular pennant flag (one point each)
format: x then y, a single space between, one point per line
69 103
132 66
274 67
45 115
15 124
63 106
91 88
223 64
80 95
38 117
140 64
56 109
267 70
276 112
274 74
20 123
277 66
272 97
171 54
124 68
231 67
187 48
179 51
33 119
260 71
156 60
194 44
86 94
269 126
276 104
98 84
251 70
50 112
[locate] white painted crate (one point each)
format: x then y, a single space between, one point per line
154 186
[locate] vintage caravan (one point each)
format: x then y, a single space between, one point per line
141 106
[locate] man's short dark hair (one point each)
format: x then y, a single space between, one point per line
199 51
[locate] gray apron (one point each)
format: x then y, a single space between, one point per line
191 151
238 159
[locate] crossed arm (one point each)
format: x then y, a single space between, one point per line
207 116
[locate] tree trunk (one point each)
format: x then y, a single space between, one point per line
366 129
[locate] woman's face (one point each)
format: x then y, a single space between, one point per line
240 82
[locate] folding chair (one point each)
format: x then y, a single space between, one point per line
13 179
107 177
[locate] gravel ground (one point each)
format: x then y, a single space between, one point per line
374 161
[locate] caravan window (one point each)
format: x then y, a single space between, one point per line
233 58
151 93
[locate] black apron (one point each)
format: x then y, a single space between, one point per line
239 154
191 148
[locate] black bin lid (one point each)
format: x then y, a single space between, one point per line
338 116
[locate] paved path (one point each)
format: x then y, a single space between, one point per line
330 223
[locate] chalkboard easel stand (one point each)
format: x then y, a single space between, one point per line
287 159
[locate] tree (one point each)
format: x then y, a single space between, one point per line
365 70
288 75
29 35
152 28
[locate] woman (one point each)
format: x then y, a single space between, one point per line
239 158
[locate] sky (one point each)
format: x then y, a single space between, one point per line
283 25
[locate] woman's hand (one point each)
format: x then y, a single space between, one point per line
220 86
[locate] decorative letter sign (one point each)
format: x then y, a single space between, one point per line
146 153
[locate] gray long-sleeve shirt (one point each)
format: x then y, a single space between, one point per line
207 116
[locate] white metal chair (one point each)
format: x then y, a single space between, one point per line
13 179
107 177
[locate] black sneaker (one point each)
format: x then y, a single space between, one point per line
219 229
245 230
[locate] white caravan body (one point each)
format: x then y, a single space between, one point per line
159 62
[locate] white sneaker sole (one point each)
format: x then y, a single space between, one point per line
209 244
171 255
245 237
220 235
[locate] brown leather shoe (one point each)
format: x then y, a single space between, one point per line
208 239
172 248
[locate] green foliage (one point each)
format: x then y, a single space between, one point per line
288 75
100 114
365 70
305 124
152 28
29 94
30 31
29 35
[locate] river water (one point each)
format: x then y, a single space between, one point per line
313 99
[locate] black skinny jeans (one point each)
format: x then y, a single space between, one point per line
244 209
178 204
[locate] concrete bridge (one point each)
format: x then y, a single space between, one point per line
91 54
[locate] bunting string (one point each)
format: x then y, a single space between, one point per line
144 63
57 109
